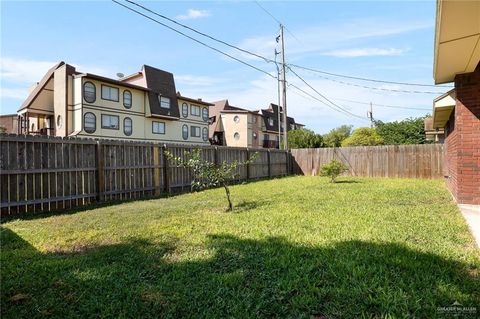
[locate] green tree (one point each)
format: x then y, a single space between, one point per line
206 174
3 129
363 136
304 138
408 131
333 169
335 137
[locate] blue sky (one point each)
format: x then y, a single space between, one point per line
382 40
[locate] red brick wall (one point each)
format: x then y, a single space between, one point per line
463 140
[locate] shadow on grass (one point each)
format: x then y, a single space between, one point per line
350 181
74 210
240 278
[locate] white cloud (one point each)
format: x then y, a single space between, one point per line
363 52
329 37
193 80
18 94
193 14
23 71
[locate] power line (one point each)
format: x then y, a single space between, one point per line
201 33
383 105
276 20
193 39
294 65
365 79
342 111
377 88
323 96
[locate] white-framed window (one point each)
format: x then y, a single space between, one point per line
127 126
236 119
270 121
127 99
205 114
292 126
109 93
164 102
195 110
185 131
236 136
89 92
158 127
184 109
195 131
205 134
89 122
110 121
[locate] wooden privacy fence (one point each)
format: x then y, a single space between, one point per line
43 173
409 161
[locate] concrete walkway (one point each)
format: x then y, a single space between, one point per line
471 213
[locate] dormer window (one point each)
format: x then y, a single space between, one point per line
164 102
270 121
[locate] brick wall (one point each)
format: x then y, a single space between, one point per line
463 140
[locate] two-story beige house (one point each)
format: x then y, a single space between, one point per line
144 106
238 127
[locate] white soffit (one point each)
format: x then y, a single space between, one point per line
457 39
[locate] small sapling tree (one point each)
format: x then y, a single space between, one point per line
207 174
333 169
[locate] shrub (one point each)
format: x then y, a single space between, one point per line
333 169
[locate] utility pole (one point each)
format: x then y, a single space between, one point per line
279 93
370 115
284 91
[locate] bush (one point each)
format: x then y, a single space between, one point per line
333 169
363 136
304 138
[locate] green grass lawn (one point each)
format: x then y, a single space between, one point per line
297 247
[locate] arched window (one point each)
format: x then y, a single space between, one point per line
236 136
236 119
89 122
185 132
127 126
127 99
205 114
205 134
185 109
89 92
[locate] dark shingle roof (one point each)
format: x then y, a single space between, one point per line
160 82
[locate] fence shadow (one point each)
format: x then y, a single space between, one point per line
240 278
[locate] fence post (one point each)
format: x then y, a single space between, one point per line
215 155
269 164
156 169
101 172
165 169
248 164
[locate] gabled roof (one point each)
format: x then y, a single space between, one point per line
34 93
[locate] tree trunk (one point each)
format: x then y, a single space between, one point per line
227 192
